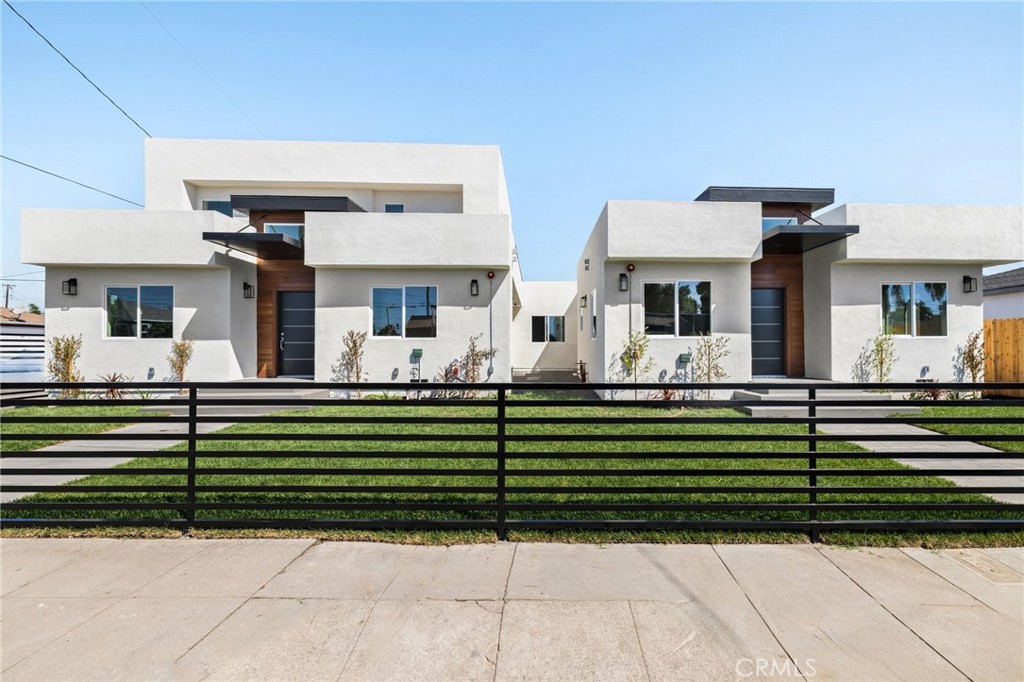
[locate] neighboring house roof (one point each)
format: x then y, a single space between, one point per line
29 319
1004 282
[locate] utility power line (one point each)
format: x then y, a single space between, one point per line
80 72
205 72
24 274
12 279
76 182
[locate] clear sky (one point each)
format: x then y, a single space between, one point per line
915 103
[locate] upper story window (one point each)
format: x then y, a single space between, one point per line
404 311
219 206
394 208
140 312
548 328
769 223
677 308
914 308
592 301
293 230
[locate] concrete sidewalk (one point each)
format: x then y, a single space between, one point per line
103 609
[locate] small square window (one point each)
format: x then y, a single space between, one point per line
394 208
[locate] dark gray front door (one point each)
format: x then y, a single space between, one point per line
296 328
768 332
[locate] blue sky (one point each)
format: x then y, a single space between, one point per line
589 102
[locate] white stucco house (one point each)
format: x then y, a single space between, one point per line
266 253
1004 294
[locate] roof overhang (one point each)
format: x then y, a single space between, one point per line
800 238
263 202
814 197
259 244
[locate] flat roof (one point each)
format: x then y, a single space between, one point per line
266 202
818 197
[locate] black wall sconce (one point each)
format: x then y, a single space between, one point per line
248 290
583 301
474 287
623 282
69 287
970 284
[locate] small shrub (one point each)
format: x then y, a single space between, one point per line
882 358
349 368
181 355
64 353
635 362
466 369
708 356
971 357
115 392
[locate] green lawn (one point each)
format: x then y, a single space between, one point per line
724 455
9 432
981 430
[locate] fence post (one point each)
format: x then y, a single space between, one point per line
190 512
502 533
812 460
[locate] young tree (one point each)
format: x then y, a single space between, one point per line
882 357
708 356
181 355
64 353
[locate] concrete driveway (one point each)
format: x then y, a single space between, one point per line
105 609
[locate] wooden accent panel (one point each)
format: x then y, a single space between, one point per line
1004 353
786 271
273 276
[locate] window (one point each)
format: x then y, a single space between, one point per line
220 207
293 230
548 328
404 311
677 308
769 223
914 309
145 312
394 208
592 301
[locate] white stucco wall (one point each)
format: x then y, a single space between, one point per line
857 318
177 169
909 233
545 298
590 283
1001 306
818 312
343 303
408 240
208 308
692 230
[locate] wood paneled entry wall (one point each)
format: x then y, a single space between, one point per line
786 272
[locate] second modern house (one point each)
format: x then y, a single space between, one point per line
267 253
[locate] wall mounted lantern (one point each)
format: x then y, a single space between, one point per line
970 284
474 287
623 282
248 290
69 287
583 301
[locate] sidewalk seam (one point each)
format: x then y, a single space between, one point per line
929 568
501 617
640 644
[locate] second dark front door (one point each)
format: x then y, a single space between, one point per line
296 329
768 332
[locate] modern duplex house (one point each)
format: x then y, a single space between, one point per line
795 295
266 253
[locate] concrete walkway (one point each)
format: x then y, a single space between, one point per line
109 450
104 609
938 447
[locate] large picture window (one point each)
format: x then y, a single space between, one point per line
548 328
140 312
677 308
914 308
405 311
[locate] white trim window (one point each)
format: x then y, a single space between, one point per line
915 308
394 208
548 328
139 312
681 308
409 312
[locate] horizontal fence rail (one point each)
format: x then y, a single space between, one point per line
513 457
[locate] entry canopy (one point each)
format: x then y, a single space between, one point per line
800 238
259 244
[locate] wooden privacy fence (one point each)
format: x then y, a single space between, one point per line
1004 353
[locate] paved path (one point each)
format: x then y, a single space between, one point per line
186 609
108 448
938 447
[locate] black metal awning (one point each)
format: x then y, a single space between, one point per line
800 238
263 202
259 244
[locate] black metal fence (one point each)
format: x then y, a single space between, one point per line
508 457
